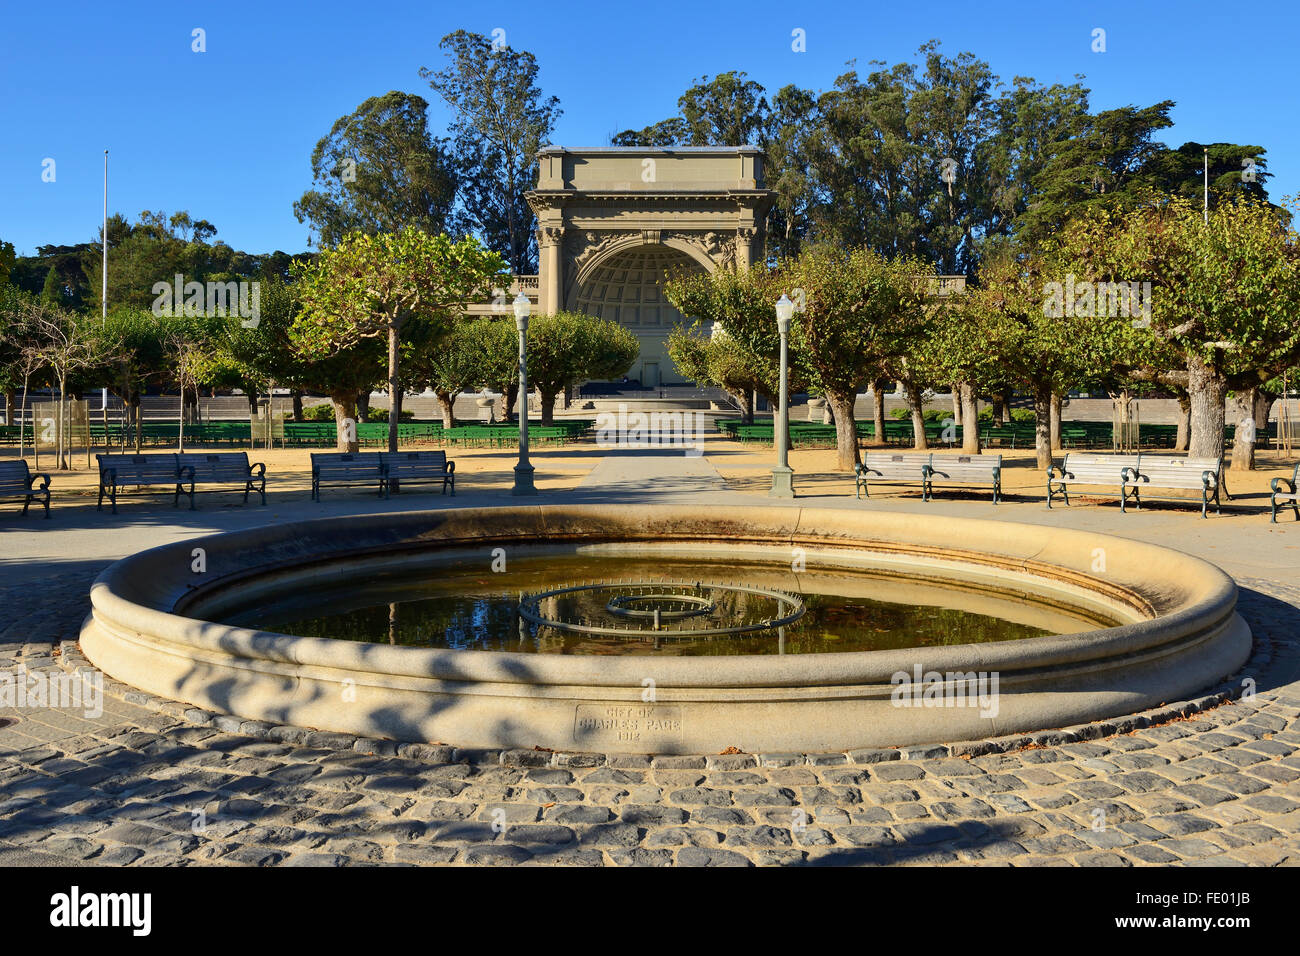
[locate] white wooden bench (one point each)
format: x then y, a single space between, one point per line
963 470
121 471
227 468
420 467
886 468
348 468
1275 486
16 481
1177 474
1099 470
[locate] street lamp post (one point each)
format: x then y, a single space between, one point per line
782 474
523 471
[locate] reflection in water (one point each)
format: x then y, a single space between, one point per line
469 609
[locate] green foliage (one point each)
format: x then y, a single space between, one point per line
377 171
500 121
569 347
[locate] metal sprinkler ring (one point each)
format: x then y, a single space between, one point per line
670 601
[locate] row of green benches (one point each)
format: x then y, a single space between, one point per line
317 434
1012 434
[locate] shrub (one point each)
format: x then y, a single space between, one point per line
325 413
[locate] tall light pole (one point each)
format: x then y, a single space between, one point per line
103 303
523 470
782 475
1205 207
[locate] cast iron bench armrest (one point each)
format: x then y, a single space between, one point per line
260 470
1275 486
31 481
451 467
1128 475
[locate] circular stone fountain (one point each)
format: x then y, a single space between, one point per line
155 623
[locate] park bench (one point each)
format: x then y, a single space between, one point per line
890 468
1102 470
420 467
1176 474
1278 495
352 468
963 470
227 468
120 471
16 481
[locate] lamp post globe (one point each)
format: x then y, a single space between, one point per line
783 474
523 470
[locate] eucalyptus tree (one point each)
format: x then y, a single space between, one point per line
500 121
377 170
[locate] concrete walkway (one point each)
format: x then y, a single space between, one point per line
143 783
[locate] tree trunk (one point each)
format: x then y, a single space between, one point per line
970 425
394 389
345 419
919 441
999 409
742 399
1263 408
447 402
878 411
137 417
296 396
846 430
361 404
1206 388
10 396
252 404
1184 423
1043 426
1257 405
547 397
511 397
956 402
1056 420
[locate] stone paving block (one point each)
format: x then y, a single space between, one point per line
495 855
723 816
730 761
701 796
710 856
890 773
683 836
651 815
1101 859
577 813
642 857
873 756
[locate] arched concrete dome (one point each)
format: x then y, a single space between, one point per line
627 289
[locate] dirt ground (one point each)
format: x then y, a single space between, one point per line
744 467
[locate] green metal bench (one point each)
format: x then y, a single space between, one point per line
226 468
16 481
1278 496
121 471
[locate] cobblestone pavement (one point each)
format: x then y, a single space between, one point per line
1217 785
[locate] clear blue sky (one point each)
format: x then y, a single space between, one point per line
228 134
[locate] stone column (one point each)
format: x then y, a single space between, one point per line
551 280
744 246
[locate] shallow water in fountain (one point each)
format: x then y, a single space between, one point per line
468 607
